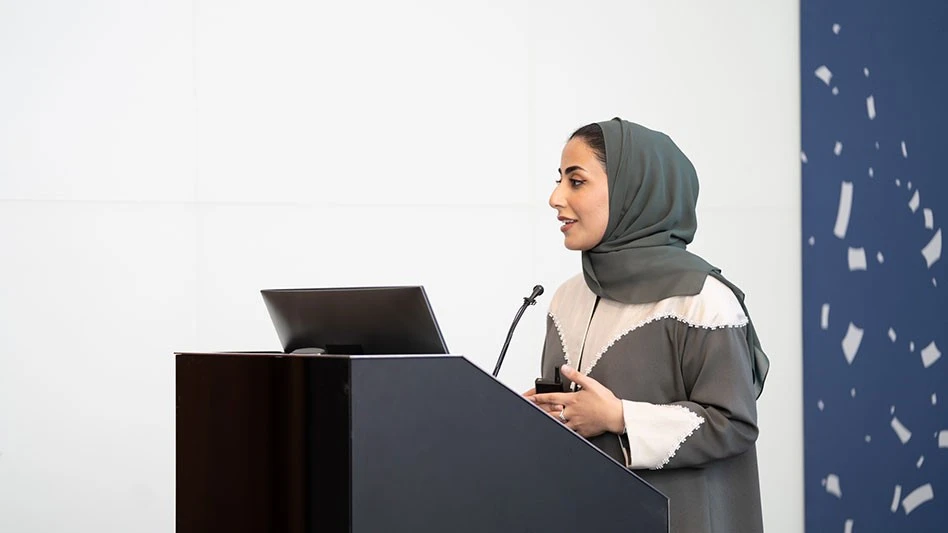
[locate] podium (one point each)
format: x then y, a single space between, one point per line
273 442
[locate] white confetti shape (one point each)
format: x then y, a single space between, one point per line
918 497
930 354
929 218
895 498
932 250
812 240
892 336
871 107
871 173
865 71
836 29
934 282
820 405
909 185
832 485
921 459
835 91
803 157
823 73
851 342
868 438
857 259
942 437
904 151
877 145
852 392
880 258
912 347
898 183
892 410
935 401
848 528
838 149
844 209
900 430
913 203
825 317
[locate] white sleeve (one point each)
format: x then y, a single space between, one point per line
655 432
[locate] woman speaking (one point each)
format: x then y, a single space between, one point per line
663 361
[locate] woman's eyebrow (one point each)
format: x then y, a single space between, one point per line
573 168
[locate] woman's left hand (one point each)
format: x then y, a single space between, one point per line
592 411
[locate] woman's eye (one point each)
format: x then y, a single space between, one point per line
573 183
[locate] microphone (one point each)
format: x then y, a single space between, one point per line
527 301
537 291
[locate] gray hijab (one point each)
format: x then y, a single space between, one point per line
653 191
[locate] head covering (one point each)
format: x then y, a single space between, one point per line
653 192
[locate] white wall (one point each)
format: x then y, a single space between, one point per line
161 162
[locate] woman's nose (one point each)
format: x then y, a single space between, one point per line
556 198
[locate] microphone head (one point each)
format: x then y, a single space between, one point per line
532 299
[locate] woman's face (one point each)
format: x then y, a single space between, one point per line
581 197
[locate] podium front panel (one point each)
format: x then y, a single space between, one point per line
439 445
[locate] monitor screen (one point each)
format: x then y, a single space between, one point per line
355 321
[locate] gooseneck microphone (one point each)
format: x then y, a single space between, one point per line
528 301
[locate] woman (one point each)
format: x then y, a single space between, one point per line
657 343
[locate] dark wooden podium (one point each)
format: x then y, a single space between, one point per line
271 442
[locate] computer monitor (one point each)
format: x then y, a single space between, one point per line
355 321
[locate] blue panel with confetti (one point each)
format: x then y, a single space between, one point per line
875 294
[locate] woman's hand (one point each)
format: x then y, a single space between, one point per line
592 411
552 410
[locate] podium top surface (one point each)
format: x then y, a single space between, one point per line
258 353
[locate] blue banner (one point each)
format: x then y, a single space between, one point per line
875 293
